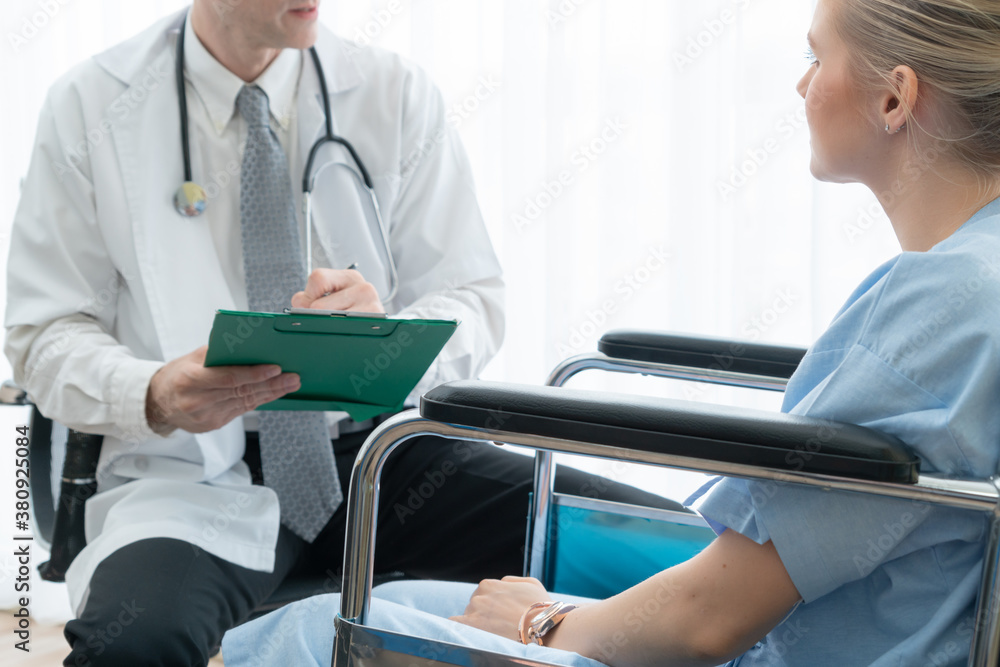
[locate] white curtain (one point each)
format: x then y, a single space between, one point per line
640 163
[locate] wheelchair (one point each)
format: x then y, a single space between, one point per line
751 444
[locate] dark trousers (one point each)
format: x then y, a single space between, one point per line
448 509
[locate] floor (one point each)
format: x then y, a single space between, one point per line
48 648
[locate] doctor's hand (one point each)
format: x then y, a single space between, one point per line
330 289
184 394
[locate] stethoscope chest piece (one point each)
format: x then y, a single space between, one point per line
190 200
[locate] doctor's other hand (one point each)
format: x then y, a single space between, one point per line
332 289
184 394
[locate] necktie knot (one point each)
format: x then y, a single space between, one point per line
252 104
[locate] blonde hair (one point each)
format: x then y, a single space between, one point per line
954 48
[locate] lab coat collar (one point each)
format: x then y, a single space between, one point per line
337 56
129 61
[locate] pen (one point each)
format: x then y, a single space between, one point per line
352 267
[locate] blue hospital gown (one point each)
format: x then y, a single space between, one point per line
915 352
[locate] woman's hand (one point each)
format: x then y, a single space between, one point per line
497 606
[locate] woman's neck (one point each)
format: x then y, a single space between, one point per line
928 202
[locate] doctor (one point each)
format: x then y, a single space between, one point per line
108 281
113 284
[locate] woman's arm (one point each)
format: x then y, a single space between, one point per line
706 611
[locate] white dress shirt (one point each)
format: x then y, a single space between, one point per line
221 133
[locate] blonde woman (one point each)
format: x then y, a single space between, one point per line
904 97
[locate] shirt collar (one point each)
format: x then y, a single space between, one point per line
218 88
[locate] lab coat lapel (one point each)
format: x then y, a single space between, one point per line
176 255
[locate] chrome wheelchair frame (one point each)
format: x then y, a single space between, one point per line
764 368
757 446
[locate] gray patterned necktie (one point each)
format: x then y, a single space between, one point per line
295 452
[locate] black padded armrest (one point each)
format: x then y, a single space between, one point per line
724 434
702 352
11 394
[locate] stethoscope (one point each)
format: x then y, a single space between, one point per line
190 199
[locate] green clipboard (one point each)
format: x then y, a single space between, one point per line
362 365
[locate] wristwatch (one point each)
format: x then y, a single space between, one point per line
538 619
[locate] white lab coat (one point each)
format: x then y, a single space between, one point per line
106 280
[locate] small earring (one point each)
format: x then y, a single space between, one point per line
887 127
901 127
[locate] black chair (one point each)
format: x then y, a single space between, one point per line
58 525
752 444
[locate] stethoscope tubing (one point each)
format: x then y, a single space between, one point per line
182 102
308 180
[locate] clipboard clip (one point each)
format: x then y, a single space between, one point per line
334 313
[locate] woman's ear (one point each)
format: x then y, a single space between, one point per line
899 103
